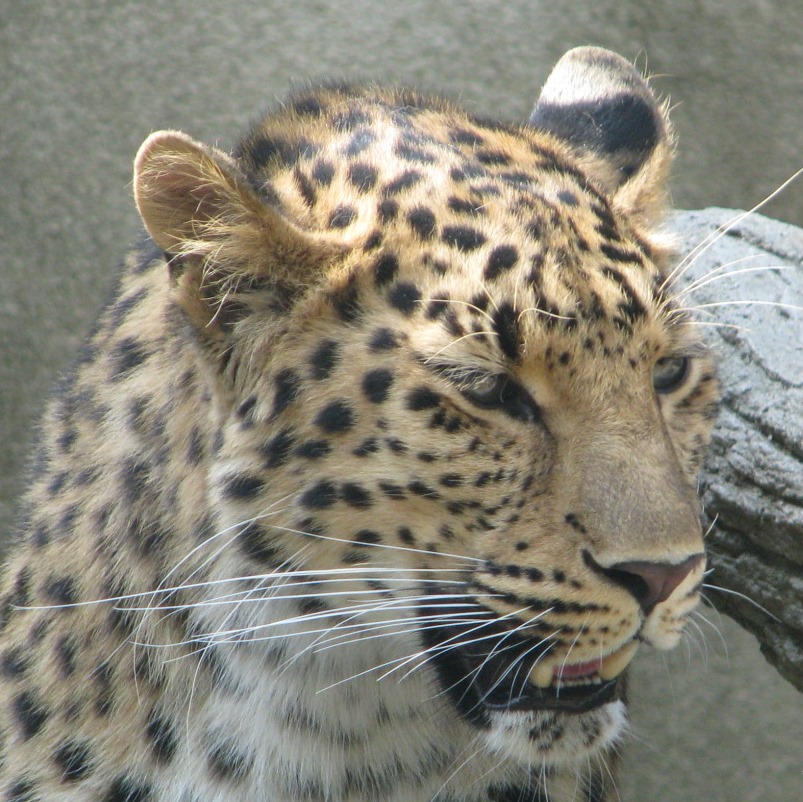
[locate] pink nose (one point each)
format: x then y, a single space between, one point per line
649 582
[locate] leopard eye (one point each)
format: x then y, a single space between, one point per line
485 390
669 373
498 391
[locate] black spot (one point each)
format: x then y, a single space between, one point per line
387 210
73 760
256 544
313 449
243 487
195 446
419 488
346 300
308 106
385 269
423 398
362 176
492 157
342 216
30 713
422 221
323 359
355 495
305 187
463 238
287 388
410 153
127 789
128 354
406 535
404 296
21 791
161 736
396 446
14 663
506 325
502 258
383 340
374 241
350 119
263 149
227 763
66 651
367 537
452 480
392 491
61 590
569 198
407 179
376 384
368 446
462 206
336 417
277 449
360 141
323 172
321 495
463 136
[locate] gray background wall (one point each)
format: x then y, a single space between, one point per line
82 82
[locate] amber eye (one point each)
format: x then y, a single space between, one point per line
669 373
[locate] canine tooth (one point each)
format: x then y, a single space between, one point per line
614 664
541 675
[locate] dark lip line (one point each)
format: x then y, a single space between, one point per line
478 687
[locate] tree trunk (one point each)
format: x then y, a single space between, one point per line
752 485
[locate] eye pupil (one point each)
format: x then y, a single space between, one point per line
497 391
669 373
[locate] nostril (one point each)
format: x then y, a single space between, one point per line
650 583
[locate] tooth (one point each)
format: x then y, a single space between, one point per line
541 675
614 664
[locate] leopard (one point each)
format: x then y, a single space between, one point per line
377 469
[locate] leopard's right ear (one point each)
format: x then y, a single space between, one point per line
599 104
199 208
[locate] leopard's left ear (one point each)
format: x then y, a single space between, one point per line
598 102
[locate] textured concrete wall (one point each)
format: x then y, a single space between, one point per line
83 82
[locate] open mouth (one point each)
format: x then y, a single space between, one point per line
483 673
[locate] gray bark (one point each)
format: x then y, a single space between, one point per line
752 485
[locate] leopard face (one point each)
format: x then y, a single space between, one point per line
396 444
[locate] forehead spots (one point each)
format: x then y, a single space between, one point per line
336 417
404 296
464 238
362 176
376 385
323 359
408 179
385 269
342 217
422 221
502 259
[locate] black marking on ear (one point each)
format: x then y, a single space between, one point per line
622 124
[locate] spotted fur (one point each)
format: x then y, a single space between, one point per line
392 408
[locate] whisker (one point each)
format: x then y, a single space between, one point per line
744 597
